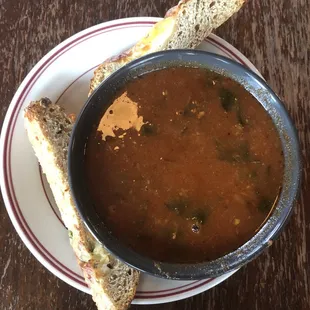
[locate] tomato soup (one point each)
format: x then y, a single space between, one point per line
184 166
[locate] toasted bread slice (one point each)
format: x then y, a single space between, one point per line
112 283
184 26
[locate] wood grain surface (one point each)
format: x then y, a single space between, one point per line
275 36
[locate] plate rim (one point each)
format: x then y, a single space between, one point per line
7 132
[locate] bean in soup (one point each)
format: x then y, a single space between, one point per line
185 166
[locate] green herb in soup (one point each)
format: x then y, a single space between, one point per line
178 205
195 175
235 154
228 99
148 129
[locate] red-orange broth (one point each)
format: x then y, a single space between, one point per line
200 176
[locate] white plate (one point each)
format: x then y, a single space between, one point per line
63 75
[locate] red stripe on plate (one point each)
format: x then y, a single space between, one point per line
171 294
222 47
171 289
47 198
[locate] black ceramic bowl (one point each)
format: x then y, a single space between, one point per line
100 101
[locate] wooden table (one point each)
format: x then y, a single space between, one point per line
275 36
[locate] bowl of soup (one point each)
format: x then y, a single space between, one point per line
184 164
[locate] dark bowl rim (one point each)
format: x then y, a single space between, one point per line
229 262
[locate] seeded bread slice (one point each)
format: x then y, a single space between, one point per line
184 26
112 283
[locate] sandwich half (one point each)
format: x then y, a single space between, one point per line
184 26
113 284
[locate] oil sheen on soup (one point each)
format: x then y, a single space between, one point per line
184 166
